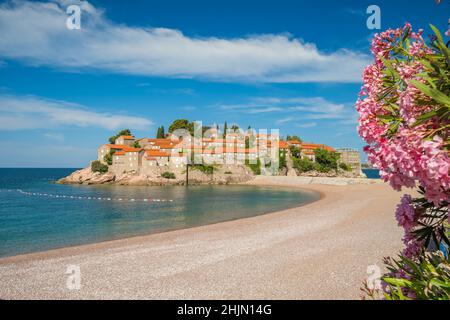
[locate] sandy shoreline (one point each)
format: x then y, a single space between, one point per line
320 250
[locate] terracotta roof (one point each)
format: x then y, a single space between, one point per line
119 153
160 140
313 146
123 147
294 142
167 146
127 137
156 153
283 144
115 146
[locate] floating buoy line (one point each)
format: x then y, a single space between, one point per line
63 196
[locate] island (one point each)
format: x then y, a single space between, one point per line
226 156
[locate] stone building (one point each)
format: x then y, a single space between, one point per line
350 157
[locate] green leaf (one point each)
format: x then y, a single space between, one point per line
390 67
433 93
437 33
397 282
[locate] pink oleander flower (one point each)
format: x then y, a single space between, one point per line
405 214
409 150
406 158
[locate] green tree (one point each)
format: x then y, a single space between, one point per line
136 145
326 159
205 128
108 158
294 137
295 151
124 132
182 124
160 134
303 165
225 128
97 166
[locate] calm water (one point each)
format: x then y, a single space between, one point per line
34 223
372 173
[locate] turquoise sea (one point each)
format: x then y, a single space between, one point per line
37 215
372 173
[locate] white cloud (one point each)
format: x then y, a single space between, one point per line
262 110
312 108
54 136
36 33
286 120
28 112
306 125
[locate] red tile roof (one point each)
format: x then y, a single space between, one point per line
123 147
156 153
283 144
127 137
313 146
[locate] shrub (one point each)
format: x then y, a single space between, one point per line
97 166
424 279
321 168
303 165
124 132
294 137
404 118
228 172
295 151
207 169
326 159
255 167
168 175
282 157
108 158
345 166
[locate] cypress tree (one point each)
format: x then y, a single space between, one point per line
225 128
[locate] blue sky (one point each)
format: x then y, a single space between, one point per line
288 65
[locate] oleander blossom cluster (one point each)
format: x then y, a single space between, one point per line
407 217
406 157
404 119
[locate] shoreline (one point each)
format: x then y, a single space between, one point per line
104 244
286 247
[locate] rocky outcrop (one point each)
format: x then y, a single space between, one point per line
86 176
221 175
